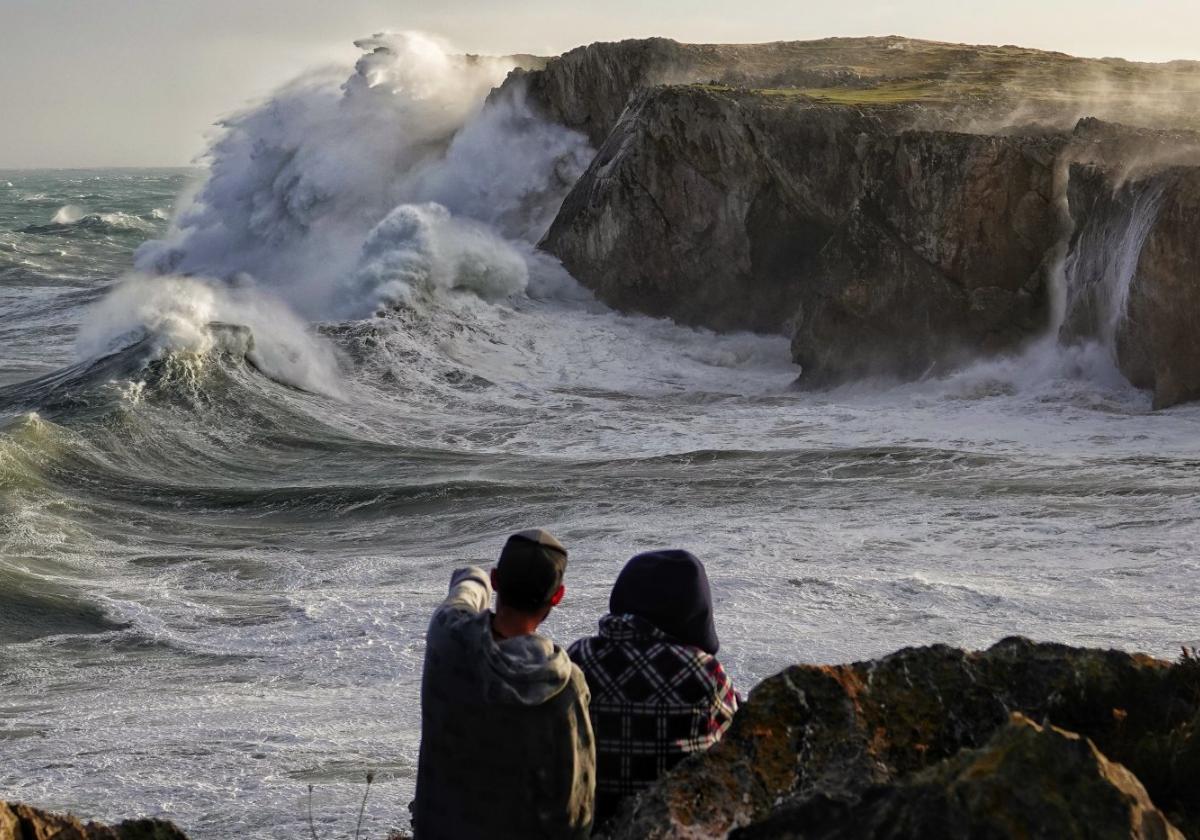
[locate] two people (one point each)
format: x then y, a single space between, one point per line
523 739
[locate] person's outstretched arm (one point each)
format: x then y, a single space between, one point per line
470 591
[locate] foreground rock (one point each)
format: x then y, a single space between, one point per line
836 734
1027 781
22 822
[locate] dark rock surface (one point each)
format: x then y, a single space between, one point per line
881 250
22 822
1158 344
710 207
840 731
944 257
1027 781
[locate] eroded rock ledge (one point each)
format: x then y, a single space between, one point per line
1020 740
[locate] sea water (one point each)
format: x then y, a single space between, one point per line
253 414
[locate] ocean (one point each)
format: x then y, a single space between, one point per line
254 413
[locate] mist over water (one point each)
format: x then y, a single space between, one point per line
242 449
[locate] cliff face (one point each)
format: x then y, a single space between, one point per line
711 208
860 196
943 257
925 734
884 251
1158 345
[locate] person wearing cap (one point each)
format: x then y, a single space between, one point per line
506 740
658 691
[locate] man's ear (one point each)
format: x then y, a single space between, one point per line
557 597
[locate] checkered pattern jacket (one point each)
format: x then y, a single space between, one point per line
654 701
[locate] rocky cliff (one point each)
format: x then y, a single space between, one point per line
712 207
925 743
890 204
944 256
882 249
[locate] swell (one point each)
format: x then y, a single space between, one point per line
93 223
33 607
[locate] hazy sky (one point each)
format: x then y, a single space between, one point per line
138 82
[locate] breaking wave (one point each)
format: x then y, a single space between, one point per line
177 314
340 194
71 218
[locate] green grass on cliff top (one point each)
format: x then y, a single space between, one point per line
893 70
889 93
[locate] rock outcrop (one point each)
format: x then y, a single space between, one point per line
882 250
895 206
1027 781
837 733
588 87
22 822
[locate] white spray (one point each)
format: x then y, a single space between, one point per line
297 185
341 195
1099 272
178 314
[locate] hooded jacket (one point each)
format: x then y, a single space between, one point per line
506 742
658 692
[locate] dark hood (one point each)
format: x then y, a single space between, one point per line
669 589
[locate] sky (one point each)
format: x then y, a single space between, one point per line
141 82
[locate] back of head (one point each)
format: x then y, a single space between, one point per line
670 590
530 571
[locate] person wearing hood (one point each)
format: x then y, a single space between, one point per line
506 741
658 691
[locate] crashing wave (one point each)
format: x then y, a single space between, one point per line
177 315
419 250
305 190
341 197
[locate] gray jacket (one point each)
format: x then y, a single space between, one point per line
506 741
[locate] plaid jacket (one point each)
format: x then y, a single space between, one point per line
654 701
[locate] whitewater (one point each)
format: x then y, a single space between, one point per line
253 414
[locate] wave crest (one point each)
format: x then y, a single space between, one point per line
178 314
